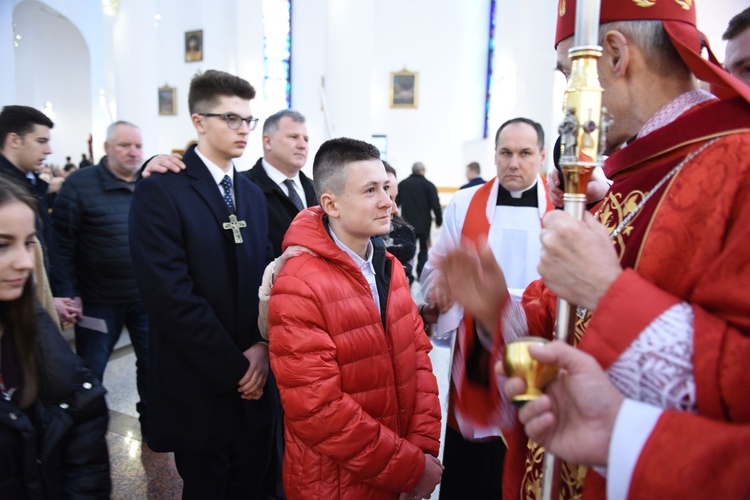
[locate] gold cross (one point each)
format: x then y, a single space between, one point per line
235 226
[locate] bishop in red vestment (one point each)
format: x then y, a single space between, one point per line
663 277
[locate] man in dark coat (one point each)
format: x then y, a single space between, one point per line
418 200
473 175
91 219
24 144
285 143
199 243
285 147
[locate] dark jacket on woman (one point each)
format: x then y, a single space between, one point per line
91 219
56 448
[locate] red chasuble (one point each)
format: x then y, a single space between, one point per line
690 242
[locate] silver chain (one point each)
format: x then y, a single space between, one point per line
669 175
581 311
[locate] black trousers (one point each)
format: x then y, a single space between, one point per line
473 469
424 245
237 472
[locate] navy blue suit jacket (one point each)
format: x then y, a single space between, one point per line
201 292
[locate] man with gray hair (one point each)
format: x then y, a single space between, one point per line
279 172
90 216
418 200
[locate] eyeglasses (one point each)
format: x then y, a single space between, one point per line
234 121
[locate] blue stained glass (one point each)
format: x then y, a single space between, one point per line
277 53
490 68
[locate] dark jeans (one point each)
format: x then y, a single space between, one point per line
95 347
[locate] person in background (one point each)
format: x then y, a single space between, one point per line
90 216
418 200
85 161
68 164
737 55
24 144
473 175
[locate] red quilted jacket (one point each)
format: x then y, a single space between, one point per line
360 401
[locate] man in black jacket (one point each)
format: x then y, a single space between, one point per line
418 200
279 172
24 144
91 219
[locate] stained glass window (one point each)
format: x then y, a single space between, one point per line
277 53
490 68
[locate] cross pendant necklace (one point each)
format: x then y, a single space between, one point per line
235 226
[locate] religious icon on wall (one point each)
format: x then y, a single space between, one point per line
404 86
167 100
194 46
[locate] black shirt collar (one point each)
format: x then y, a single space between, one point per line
529 198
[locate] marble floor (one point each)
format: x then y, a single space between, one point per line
138 472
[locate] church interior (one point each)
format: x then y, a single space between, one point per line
426 81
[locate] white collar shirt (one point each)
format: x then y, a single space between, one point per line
218 174
365 266
279 177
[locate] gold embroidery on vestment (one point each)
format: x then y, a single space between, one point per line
615 208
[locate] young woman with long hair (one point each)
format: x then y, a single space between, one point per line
53 417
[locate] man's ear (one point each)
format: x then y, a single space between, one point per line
329 204
198 123
616 52
12 140
266 142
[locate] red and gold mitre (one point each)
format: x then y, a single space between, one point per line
626 10
678 18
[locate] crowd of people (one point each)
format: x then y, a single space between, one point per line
279 350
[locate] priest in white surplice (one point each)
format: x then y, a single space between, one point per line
507 211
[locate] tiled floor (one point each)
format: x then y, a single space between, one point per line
138 472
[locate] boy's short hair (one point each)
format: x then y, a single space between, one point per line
206 88
329 166
20 120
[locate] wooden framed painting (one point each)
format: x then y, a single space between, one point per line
167 100
194 46
404 89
